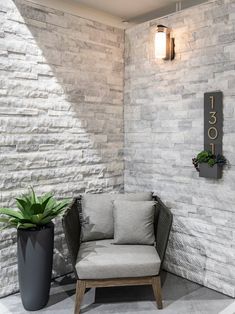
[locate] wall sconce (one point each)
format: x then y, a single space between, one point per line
164 44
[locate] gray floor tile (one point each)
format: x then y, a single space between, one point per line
180 297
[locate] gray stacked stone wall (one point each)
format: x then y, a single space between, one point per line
61 113
163 116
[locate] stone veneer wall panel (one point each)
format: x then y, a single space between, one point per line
163 116
61 113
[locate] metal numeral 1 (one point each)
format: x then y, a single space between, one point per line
212 145
212 102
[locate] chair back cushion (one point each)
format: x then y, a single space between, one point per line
97 213
134 222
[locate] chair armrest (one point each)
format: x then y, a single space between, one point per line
72 229
163 223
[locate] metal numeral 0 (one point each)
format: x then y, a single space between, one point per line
212 130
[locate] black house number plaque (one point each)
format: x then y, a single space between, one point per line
213 122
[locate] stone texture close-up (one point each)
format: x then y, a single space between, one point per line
163 114
61 113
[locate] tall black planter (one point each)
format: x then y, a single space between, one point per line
35 257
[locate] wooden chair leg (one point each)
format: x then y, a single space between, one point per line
80 290
156 284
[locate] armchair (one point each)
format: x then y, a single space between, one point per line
100 264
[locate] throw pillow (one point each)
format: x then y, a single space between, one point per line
134 222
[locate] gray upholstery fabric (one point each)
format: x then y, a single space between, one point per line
138 196
97 213
133 222
102 260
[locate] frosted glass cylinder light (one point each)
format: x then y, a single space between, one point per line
160 45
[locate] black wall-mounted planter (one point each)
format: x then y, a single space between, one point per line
207 171
35 258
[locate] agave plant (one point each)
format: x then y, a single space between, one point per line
33 212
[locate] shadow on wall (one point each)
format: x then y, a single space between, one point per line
61 116
68 77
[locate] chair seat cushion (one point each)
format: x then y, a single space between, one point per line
102 260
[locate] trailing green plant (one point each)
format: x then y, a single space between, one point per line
209 158
34 212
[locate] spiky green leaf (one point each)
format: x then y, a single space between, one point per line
36 209
36 219
11 213
24 207
26 225
46 220
44 197
5 220
33 211
46 202
33 196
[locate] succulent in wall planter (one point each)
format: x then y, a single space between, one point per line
209 165
35 243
